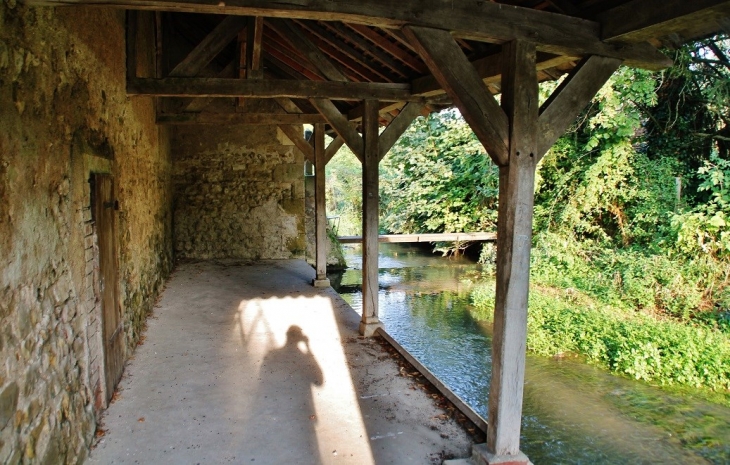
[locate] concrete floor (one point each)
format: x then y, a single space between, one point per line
248 363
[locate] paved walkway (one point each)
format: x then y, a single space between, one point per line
248 363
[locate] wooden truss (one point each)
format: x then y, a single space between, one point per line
350 67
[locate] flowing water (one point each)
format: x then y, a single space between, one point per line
573 413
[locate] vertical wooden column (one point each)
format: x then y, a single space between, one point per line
370 200
514 239
320 207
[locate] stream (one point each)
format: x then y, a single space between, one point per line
573 413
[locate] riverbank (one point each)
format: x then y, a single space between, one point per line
633 313
573 412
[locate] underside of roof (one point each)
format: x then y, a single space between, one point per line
209 52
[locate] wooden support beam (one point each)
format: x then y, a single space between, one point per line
258 119
269 88
514 240
320 207
481 21
458 77
300 41
397 127
210 47
333 147
294 133
569 99
254 36
198 104
489 70
342 127
131 45
642 20
370 204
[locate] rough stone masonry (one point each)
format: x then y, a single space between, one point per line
233 192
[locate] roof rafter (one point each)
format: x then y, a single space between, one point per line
480 21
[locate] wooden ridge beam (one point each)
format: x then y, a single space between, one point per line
456 74
211 46
342 127
294 133
397 127
569 99
642 20
240 118
218 87
480 21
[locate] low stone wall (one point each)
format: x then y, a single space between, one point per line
64 114
239 193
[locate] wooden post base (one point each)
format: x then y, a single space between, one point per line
481 456
369 329
321 282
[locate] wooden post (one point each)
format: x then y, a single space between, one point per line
370 199
514 239
320 207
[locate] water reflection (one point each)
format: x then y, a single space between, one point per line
573 413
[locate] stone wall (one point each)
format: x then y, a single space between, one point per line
239 193
64 114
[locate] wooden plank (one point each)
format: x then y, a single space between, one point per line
217 87
299 40
458 77
516 197
569 99
294 133
480 21
342 127
240 118
320 203
370 225
435 237
131 45
333 147
210 47
642 20
397 127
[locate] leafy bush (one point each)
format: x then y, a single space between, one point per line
633 344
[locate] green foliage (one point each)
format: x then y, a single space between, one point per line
344 191
632 344
704 230
595 185
438 178
625 270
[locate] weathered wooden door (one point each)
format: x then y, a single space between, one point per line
104 216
